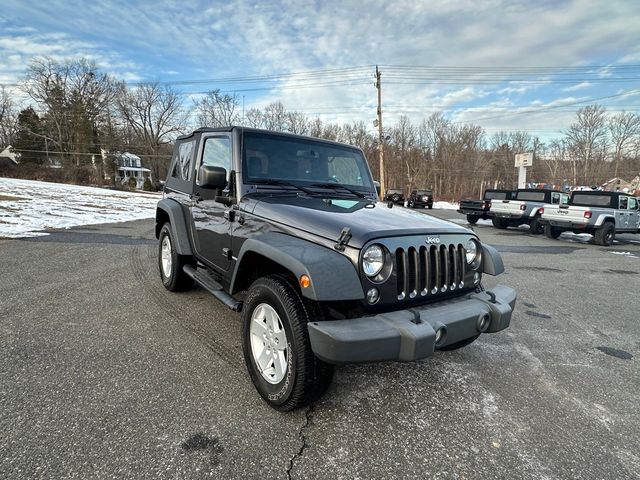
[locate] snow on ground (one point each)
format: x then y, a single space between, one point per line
463 221
446 205
440 205
28 207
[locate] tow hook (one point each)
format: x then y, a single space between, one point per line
492 296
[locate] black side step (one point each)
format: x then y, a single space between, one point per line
206 281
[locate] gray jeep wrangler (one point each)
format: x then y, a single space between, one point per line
288 230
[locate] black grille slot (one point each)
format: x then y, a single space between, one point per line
401 268
413 272
429 270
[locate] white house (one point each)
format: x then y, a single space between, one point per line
129 166
8 157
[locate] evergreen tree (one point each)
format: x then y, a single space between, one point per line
29 140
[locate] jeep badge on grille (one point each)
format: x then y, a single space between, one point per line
433 240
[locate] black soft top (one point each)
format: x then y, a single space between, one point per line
524 194
596 194
243 130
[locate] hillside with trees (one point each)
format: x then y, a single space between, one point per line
74 117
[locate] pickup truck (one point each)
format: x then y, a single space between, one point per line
525 208
476 209
601 214
289 231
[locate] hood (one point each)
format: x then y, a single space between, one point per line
327 217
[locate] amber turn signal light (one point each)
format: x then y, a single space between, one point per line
305 281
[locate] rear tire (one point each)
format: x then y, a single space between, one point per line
395 198
171 264
535 227
551 232
472 219
300 377
606 234
499 223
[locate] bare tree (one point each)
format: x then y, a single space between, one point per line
8 118
587 139
154 115
623 128
216 109
74 98
274 117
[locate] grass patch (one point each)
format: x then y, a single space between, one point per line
11 198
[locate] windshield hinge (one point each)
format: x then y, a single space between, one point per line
344 238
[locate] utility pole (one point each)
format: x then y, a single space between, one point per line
380 134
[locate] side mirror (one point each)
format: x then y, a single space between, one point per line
377 185
212 177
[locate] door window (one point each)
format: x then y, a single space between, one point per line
633 204
624 202
217 153
182 167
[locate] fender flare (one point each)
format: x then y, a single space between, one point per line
168 208
491 261
333 276
604 217
535 211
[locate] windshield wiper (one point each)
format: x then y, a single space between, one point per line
271 181
334 186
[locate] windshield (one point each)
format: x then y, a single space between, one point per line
424 192
305 162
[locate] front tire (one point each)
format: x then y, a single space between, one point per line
499 223
171 264
551 232
606 234
472 219
276 345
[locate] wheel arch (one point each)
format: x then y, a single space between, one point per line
170 211
333 276
605 217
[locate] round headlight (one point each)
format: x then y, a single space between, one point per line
373 260
471 251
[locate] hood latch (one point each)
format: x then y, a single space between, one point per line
344 238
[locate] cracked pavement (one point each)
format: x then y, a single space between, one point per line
104 374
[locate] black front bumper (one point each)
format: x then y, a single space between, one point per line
408 335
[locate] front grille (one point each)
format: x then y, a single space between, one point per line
429 270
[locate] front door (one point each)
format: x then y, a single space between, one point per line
622 214
634 210
212 229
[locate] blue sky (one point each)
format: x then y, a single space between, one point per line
491 43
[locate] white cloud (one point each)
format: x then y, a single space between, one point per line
579 86
244 38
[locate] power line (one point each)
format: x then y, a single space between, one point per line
552 107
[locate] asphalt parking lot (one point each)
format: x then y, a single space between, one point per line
105 374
